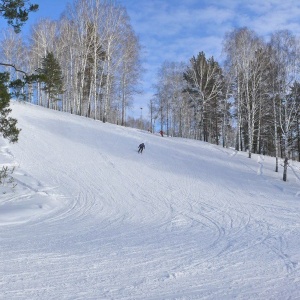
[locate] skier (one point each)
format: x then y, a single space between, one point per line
141 148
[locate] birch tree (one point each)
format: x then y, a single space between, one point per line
43 40
129 70
13 49
286 54
245 53
104 53
114 27
78 15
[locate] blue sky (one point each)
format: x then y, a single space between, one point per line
175 30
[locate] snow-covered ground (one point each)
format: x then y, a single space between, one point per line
90 218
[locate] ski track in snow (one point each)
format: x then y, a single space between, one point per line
91 218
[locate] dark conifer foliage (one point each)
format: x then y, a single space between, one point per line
50 75
205 86
8 127
16 12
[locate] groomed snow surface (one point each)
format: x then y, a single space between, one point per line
90 218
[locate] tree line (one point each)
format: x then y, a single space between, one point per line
251 102
87 63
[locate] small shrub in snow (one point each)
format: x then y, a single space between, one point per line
6 178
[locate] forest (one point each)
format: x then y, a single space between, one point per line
88 63
251 102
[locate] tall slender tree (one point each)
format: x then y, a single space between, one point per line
204 85
50 75
287 55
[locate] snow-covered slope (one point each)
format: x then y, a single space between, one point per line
91 218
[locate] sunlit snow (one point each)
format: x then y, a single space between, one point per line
90 218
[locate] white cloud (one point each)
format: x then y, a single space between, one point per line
175 30
270 15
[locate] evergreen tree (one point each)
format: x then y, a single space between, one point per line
8 127
51 76
204 86
16 12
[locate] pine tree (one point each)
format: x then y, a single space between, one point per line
204 86
8 127
51 76
16 12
